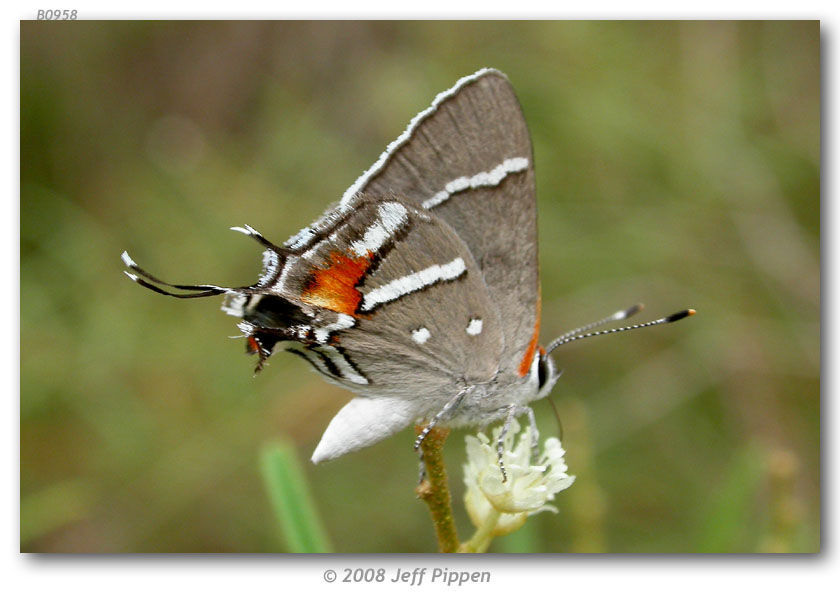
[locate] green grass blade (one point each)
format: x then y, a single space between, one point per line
291 499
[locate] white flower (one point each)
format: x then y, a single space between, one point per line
528 487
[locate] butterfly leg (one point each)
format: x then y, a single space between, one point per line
421 467
449 408
535 435
500 442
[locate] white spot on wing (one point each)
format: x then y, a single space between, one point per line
413 282
322 334
490 178
392 216
474 328
421 335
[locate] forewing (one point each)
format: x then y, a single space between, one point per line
468 159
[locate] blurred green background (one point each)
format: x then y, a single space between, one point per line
678 164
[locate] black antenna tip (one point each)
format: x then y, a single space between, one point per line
680 315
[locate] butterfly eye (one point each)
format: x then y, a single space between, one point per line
547 375
542 371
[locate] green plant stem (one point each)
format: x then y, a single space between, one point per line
480 541
434 489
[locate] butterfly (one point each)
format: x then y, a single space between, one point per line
419 290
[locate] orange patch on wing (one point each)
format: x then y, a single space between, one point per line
253 345
525 365
334 287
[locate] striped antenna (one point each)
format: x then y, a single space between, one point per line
574 335
616 316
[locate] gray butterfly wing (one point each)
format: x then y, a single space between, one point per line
468 160
399 307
